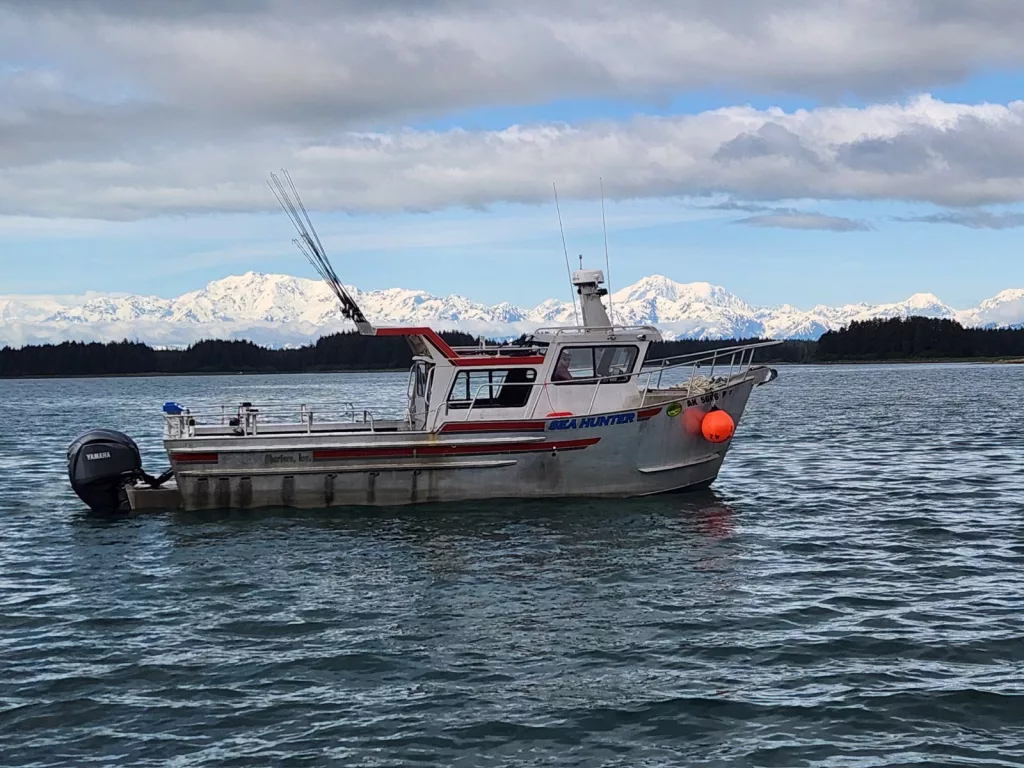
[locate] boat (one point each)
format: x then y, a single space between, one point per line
568 412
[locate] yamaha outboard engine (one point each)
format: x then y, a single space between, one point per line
101 462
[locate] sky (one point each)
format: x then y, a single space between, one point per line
797 151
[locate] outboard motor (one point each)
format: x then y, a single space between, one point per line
101 463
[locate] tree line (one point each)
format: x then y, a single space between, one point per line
918 338
346 351
894 339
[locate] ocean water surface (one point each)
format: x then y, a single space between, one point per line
849 593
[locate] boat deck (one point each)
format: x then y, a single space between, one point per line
304 428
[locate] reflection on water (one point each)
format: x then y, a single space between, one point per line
848 593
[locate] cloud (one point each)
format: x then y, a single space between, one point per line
313 60
754 155
972 219
122 110
789 218
800 220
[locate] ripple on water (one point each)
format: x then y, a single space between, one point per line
849 594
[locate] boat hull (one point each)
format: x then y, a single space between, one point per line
657 448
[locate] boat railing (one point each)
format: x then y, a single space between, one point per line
577 330
501 351
735 360
714 353
246 419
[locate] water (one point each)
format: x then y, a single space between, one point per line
849 594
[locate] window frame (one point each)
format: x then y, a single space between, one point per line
489 402
595 379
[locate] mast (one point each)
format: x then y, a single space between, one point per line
587 282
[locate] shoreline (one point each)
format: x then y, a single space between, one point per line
918 361
165 374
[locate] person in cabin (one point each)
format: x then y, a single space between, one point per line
561 372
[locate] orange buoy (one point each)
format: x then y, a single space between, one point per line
717 426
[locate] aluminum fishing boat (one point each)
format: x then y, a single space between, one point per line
576 411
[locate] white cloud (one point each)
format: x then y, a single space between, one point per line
975 219
111 109
789 219
373 59
924 150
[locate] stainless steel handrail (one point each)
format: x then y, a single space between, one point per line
717 350
577 330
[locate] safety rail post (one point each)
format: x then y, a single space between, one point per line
428 388
662 372
593 399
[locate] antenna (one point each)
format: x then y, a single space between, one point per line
565 250
309 243
607 265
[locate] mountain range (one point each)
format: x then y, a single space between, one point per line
280 310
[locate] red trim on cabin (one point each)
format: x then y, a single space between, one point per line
195 458
429 333
454 357
493 426
413 452
498 361
647 413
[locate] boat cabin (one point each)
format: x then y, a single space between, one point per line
567 371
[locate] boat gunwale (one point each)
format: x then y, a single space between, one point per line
380 444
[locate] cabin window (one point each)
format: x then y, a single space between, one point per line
610 364
488 388
422 374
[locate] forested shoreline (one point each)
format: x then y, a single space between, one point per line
917 338
913 338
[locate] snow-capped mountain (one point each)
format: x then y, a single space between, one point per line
279 309
1005 309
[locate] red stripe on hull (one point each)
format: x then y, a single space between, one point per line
194 458
647 413
411 452
493 426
